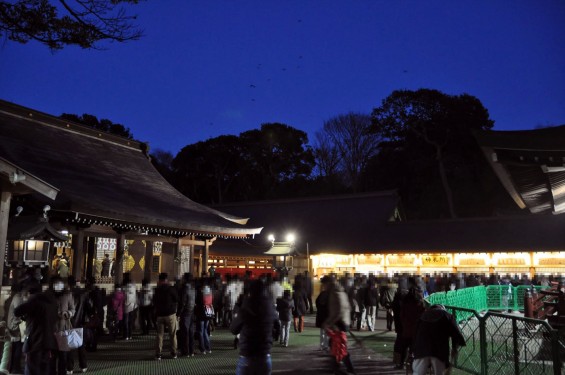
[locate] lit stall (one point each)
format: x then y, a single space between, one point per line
324 264
401 263
436 263
477 263
549 263
371 263
518 263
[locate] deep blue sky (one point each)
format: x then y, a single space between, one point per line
208 68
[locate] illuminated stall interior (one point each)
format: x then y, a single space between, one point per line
365 233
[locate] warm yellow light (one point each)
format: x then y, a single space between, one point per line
290 237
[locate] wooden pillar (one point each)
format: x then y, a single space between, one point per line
178 255
119 263
207 244
78 255
90 251
6 197
205 257
148 260
191 257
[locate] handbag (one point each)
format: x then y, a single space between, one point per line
209 311
69 339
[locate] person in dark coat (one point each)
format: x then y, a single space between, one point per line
40 314
370 296
285 305
257 323
186 316
165 302
95 314
300 307
431 341
106 265
309 290
80 299
411 309
322 312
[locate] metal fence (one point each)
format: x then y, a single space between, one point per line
506 344
482 298
500 343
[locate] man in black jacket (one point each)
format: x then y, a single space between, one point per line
257 323
431 343
40 314
186 316
165 302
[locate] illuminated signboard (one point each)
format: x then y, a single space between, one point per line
549 259
511 259
436 260
370 260
404 260
472 260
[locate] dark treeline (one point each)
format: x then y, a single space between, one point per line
420 143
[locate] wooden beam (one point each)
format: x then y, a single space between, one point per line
5 199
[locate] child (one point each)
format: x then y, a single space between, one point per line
285 305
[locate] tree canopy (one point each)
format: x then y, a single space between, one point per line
104 125
257 164
343 148
57 24
429 152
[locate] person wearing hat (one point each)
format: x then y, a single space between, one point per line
165 302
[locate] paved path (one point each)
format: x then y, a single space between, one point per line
302 357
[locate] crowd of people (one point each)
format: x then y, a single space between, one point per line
259 312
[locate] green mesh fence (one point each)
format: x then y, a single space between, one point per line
481 298
499 343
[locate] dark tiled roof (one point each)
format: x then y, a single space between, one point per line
499 234
344 223
361 224
103 177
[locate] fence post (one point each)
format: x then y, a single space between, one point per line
515 343
557 362
483 343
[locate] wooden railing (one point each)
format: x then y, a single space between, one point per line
546 304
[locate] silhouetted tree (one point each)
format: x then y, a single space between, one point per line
427 138
206 171
57 24
271 162
275 156
163 161
344 146
102 125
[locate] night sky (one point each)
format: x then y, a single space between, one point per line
209 68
